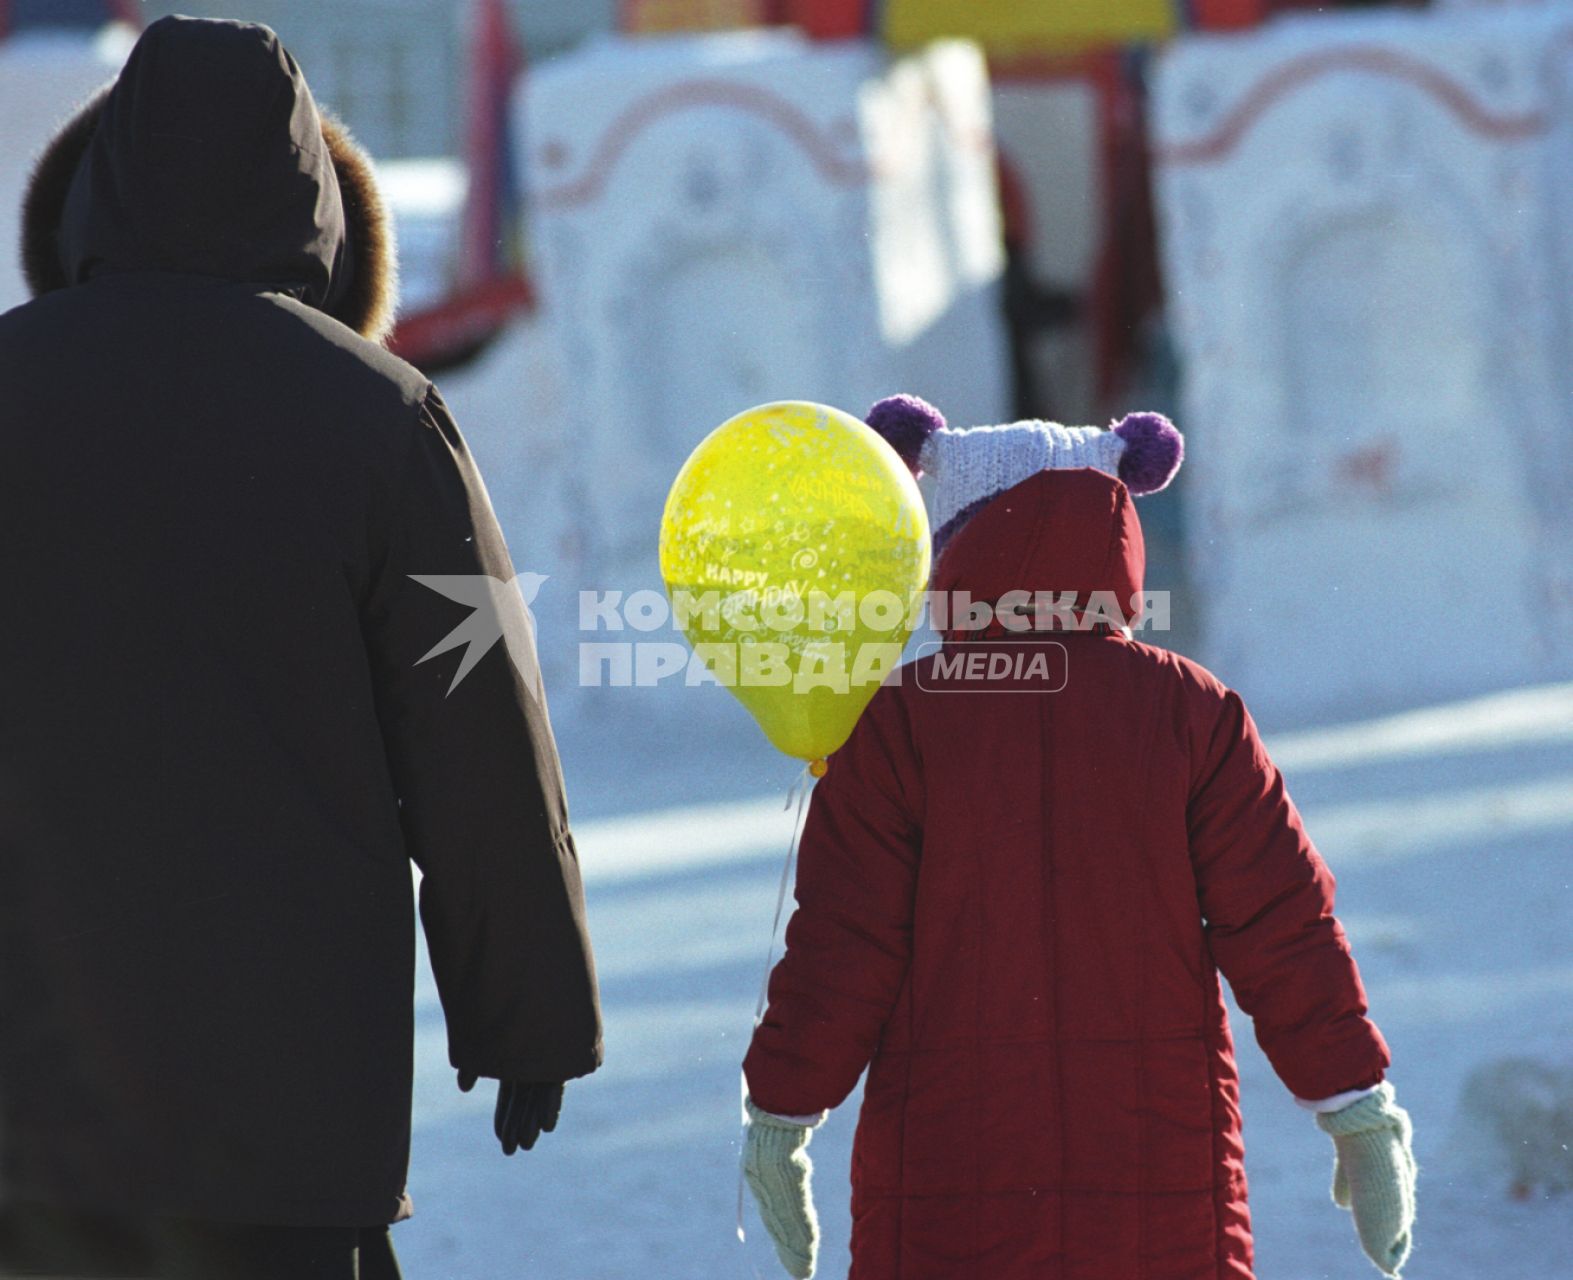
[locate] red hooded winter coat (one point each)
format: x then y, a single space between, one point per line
1013 909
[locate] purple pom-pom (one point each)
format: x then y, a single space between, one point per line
1153 451
905 422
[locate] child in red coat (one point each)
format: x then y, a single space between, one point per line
1019 882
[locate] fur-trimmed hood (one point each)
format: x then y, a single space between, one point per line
208 155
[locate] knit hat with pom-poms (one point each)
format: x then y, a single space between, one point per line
972 465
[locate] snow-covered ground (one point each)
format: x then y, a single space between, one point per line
1451 830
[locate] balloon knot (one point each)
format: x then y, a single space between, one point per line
818 768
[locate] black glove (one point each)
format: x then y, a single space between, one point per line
524 1111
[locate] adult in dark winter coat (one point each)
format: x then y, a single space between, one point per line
219 745
1013 903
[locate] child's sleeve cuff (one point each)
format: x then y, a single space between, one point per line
1338 1101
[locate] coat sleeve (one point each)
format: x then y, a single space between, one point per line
476 770
1267 898
849 941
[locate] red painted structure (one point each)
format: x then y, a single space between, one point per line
461 324
491 286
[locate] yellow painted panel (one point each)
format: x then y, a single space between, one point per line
1021 26
642 16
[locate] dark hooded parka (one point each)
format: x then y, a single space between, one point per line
219 749
1013 906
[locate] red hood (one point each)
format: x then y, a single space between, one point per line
1060 531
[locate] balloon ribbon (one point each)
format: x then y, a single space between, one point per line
798 792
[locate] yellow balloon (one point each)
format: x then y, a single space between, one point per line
795 547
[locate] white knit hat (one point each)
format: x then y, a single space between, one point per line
972 465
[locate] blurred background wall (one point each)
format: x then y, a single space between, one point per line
1326 238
